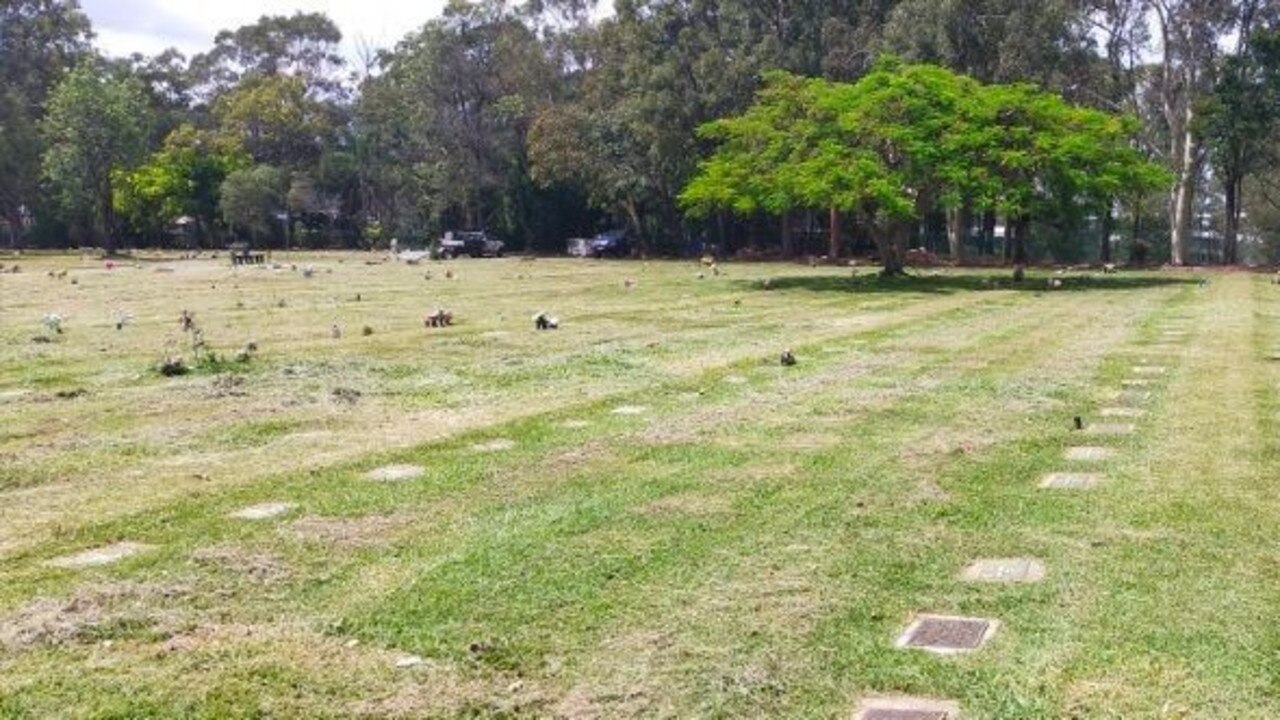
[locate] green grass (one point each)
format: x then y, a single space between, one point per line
749 546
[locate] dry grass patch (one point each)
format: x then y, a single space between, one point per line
351 533
262 568
93 613
696 504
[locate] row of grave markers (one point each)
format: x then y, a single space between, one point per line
949 635
108 554
938 634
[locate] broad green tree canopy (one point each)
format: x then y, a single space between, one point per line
906 139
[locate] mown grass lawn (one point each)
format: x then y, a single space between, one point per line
641 514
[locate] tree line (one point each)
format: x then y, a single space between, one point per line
985 129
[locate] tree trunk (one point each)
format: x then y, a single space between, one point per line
1231 233
788 247
1016 232
15 225
989 232
957 229
1136 232
1183 195
633 216
1009 231
1108 225
892 243
107 228
833 244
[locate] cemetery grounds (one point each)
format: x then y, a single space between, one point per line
642 513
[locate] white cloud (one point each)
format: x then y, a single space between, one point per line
148 26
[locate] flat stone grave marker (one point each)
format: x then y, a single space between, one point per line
13 395
630 410
947 635
397 473
1004 570
99 556
1149 369
1069 481
575 424
1110 429
1133 396
497 445
1088 453
736 380
906 708
409 661
1122 412
1135 382
264 511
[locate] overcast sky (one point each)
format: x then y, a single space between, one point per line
149 26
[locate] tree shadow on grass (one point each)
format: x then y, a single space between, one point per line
951 284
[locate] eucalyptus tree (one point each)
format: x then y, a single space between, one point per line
302 45
1187 56
449 114
40 41
94 124
1238 125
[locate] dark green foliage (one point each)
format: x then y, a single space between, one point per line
906 139
535 122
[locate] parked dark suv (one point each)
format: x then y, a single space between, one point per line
610 243
475 244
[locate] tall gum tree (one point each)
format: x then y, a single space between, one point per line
95 125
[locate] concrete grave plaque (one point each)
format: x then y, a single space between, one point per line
1149 369
906 708
1122 412
396 473
1069 481
1110 429
1088 453
1004 570
99 556
497 445
946 635
264 511
630 410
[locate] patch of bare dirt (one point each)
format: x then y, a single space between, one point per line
576 458
350 533
438 691
756 472
631 688
92 613
689 504
932 448
257 567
